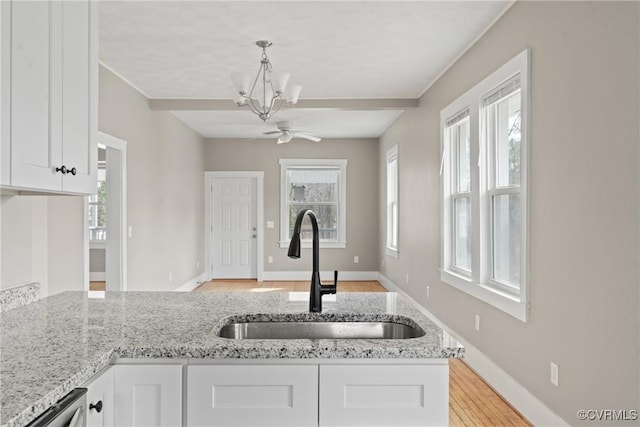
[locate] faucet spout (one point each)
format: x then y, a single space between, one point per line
317 288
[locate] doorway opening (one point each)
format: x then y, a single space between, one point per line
105 220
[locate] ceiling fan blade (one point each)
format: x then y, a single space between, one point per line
309 137
272 132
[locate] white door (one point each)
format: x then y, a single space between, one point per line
233 228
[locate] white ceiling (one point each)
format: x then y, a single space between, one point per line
349 49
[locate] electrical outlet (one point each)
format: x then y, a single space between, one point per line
270 259
356 259
197 264
554 374
428 293
170 277
477 322
407 278
130 231
382 262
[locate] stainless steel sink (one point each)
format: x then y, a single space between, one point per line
319 330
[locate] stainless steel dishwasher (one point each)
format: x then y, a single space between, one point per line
70 411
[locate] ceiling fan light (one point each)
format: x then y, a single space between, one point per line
241 82
285 137
293 93
279 81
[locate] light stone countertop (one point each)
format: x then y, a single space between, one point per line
49 347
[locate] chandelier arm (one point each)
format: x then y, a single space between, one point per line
252 106
255 82
278 106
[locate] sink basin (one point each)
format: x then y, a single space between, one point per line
319 330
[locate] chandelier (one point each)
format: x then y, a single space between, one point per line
269 91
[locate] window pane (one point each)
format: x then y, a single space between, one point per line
464 158
313 185
462 233
506 238
508 138
327 216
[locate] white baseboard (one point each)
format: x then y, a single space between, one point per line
519 397
191 284
324 275
97 276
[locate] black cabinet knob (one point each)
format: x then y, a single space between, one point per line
97 406
63 170
72 171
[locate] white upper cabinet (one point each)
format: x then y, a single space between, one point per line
48 95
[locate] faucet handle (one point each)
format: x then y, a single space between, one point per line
335 277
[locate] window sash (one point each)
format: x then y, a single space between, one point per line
338 167
511 78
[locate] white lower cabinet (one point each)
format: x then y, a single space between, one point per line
148 395
252 395
384 395
100 405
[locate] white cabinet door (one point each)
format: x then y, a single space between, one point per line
48 111
252 395
384 395
35 75
79 95
148 395
100 406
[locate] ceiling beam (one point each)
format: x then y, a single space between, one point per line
327 104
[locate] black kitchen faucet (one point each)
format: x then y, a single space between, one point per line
317 288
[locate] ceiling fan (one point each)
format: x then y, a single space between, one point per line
286 133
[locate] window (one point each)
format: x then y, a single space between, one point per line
98 208
319 185
484 189
392 202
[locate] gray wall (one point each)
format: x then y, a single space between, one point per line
97 261
42 241
165 187
584 194
23 228
362 197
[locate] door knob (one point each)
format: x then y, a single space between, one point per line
72 171
254 236
63 170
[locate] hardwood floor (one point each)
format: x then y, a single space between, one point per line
97 286
253 286
471 401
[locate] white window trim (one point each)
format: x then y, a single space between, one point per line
478 284
341 243
392 154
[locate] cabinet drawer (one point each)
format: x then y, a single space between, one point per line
384 395
252 395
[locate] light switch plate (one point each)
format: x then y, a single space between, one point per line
270 224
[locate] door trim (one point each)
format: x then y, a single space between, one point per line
208 200
110 141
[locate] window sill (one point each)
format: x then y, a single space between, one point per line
307 244
393 253
510 304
